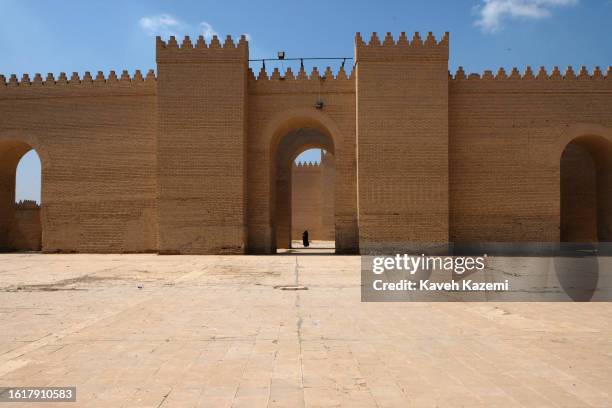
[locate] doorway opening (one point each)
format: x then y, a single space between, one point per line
312 200
586 191
304 193
20 197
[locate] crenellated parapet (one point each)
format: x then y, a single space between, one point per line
302 82
306 166
532 80
389 49
27 205
215 51
38 86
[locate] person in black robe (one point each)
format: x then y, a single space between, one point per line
305 239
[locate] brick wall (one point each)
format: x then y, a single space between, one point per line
188 162
26 234
201 146
96 141
312 200
507 134
402 139
278 107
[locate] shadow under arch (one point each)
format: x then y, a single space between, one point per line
294 119
586 190
293 132
585 185
13 146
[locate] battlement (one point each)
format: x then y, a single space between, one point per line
542 74
306 165
531 81
301 75
76 80
300 82
171 52
27 205
38 86
389 49
326 160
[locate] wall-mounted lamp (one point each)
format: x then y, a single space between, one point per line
319 104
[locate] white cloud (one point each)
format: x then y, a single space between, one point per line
163 24
206 30
166 25
493 12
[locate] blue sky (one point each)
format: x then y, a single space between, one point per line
43 36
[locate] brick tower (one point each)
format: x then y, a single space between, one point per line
201 146
402 141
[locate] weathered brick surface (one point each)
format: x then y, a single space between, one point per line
96 141
312 200
26 230
281 107
198 160
201 146
507 135
402 138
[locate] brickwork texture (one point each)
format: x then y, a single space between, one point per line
312 200
197 158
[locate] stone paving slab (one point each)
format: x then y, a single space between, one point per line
216 331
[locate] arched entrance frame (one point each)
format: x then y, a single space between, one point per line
290 146
14 144
264 140
596 141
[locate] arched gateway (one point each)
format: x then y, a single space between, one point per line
20 223
194 159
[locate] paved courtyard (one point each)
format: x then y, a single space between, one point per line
218 331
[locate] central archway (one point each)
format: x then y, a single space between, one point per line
289 147
273 145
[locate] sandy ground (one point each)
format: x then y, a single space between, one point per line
217 331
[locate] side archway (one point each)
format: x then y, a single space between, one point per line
21 225
586 189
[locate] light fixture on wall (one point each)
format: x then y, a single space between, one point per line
319 104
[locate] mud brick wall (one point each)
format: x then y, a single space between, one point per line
312 201
201 146
507 135
188 162
95 136
282 104
26 231
402 141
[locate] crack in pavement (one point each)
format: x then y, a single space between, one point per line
299 327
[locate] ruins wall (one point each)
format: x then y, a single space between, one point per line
402 139
201 146
280 104
507 134
312 201
186 162
95 136
26 231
